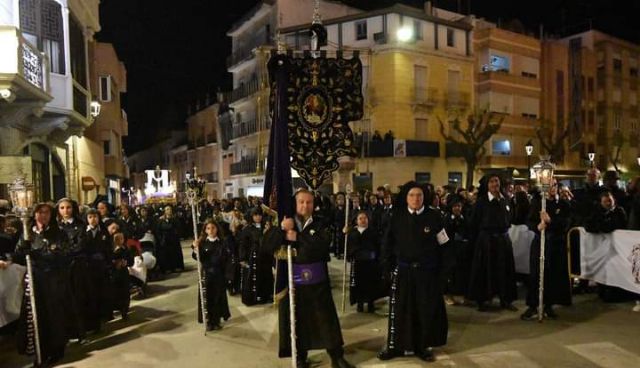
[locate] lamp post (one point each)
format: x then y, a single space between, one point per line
529 150
21 194
544 177
194 187
592 157
638 159
95 108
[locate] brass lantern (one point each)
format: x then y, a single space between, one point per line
21 194
544 173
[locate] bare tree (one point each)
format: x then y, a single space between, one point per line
472 134
552 144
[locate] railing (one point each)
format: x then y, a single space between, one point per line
245 52
246 165
30 63
458 99
417 148
425 96
80 100
454 150
244 90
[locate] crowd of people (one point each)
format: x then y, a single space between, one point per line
422 248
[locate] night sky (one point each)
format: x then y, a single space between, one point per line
176 54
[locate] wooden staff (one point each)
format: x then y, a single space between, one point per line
191 194
292 309
344 254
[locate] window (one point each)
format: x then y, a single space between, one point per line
617 120
420 81
423 177
107 147
451 37
590 85
361 30
499 63
617 65
529 75
501 147
634 125
633 72
105 88
455 178
417 30
78 57
41 24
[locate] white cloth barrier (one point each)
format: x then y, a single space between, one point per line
611 259
11 291
521 238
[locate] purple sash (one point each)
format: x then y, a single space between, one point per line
309 273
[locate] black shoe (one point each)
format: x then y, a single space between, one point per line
530 314
388 354
549 313
482 307
426 355
340 362
508 306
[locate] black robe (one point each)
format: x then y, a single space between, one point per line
338 235
215 258
412 253
493 271
49 251
98 249
317 324
120 284
365 282
458 255
557 284
257 276
79 276
169 249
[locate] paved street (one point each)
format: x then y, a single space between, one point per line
162 332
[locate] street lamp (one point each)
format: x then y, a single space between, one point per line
544 177
529 150
95 109
638 159
405 34
592 157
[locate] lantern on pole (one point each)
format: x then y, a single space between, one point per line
544 177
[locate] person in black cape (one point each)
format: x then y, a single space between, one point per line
70 223
257 276
169 250
121 258
215 258
363 249
97 245
458 252
493 269
317 324
412 254
557 285
49 250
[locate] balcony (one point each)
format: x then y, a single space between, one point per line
427 97
505 77
245 90
114 166
414 149
454 150
246 165
23 68
245 52
80 100
457 100
211 137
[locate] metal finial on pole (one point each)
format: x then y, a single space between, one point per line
317 19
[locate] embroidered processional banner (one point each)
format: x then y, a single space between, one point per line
322 96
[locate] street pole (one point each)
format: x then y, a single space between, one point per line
542 259
192 195
346 241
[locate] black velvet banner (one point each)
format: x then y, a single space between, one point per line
323 96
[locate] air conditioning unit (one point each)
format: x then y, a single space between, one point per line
380 37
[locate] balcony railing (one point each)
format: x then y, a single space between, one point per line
27 61
414 148
245 52
244 91
246 165
249 126
457 99
454 150
425 96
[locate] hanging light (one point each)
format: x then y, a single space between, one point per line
592 156
95 108
21 194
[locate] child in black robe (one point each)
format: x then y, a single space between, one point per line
217 269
